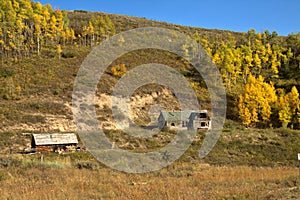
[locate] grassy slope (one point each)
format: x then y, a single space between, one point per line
181 182
245 164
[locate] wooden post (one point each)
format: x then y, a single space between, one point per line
299 163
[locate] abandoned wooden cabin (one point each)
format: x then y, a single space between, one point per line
199 120
174 119
57 142
184 120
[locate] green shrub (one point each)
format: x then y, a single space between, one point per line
88 165
68 55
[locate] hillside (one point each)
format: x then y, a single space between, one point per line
37 84
37 78
41 51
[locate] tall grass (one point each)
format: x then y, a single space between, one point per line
176 182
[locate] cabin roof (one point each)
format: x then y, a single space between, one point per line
54 139
175 115
179 115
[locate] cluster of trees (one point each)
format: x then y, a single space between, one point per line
288 108
27 26
255 104
98 28
261 102
256 54
252 69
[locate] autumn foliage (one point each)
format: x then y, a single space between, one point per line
255 104
119 70
259 70
29 27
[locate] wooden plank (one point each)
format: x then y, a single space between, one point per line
44 149
55 139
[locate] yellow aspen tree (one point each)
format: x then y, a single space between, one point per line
110 26
26 10
265 110
254 116
72 36
59 21
294 102
84 34
257 62
38 31
228 65
38 8
16 6
285 113
244 113
269 53
52 28
259 37
289 53
238 61
264 56
275 63
268 98
98 24
247 61
45 19
216 59
59 51
91 32
103 26
18 38
293 97
65 36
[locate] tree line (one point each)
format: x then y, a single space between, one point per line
27 27
256 71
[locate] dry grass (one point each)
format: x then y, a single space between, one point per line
245 164
177 182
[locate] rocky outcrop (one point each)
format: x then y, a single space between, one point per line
143 110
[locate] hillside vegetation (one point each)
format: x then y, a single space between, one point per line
42 49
